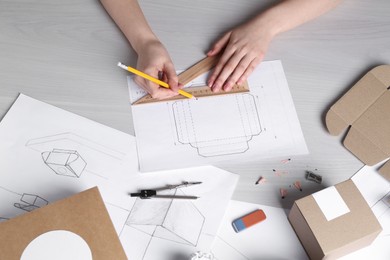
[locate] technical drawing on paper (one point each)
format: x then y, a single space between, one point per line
30 202
64 162
222 250
67 154
218 131
171 220
27 202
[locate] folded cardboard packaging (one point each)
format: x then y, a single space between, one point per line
366 108
334 222
337 220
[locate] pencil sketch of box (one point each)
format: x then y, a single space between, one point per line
174 220
69 154
64 162
30 202
219 130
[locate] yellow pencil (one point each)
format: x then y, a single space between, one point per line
148 77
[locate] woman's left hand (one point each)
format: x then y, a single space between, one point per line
243 49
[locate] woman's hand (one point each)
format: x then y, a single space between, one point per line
153 59
243 49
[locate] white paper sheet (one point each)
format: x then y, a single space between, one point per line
49 154
178 226
273 238
250 126
376 191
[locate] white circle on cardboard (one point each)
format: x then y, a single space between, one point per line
59 245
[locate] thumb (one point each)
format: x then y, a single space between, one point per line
172 77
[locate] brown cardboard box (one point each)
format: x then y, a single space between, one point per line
366 108
83 214
344 232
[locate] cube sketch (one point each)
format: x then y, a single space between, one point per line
169 219
64 162
69 154
31 202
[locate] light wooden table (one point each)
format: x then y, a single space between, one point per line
65 53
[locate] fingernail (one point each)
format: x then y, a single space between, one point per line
210 83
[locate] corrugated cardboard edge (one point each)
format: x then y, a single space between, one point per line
354 104
84 214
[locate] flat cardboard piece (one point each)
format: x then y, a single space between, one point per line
83 214
340 236
366 108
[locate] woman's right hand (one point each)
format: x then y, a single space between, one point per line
154 60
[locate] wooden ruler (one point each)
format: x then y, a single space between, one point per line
199 92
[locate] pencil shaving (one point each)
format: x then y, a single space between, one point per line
260 180
283 193
297 185
286 161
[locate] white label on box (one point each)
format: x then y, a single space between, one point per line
331 203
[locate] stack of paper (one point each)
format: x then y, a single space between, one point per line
48 154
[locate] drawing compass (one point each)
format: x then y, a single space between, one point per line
159 192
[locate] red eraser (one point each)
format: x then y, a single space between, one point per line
249 220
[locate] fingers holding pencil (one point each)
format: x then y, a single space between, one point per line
153 59
154 89
169 75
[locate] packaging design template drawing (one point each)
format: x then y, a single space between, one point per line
239 126
191 117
